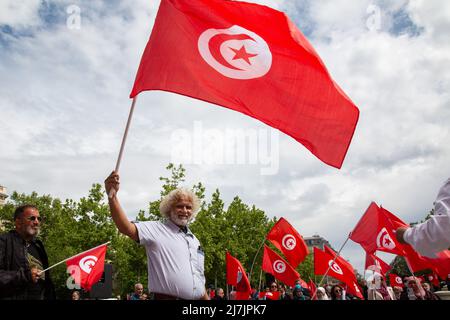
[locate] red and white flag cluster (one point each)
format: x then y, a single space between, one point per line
376 232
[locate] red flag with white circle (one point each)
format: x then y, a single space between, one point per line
251 59
324 261
289 241
395 280
237 277
376 231
278 267
90 265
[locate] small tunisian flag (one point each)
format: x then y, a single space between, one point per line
280 269
339 259
252 59
376 231
289 241
236 277
339 271
376 264
90 264
395 280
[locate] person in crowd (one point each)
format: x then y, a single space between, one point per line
414 290
144 296
219 294
429 295
365 289
138 292
297 294
433 235
337 292
398 292
23 259
322 294
284 294
175 258
76 295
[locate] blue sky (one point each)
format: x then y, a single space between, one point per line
64 103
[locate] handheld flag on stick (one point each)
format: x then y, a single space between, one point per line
86 267
280 269
236 277
376 231
289 241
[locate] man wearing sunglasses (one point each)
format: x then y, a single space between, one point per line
22 257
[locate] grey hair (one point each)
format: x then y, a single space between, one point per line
170 200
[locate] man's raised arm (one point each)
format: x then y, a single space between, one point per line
118 215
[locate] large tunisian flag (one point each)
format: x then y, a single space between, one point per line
289 241
236 277
252 59
280 269
90 264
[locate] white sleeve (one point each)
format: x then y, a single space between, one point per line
147 231
433 235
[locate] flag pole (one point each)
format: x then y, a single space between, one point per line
260 276
56 264
329 266
122 146
254 259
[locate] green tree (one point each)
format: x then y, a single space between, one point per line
71 227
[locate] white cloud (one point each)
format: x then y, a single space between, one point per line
20 14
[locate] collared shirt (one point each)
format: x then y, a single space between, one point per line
433 235
175 259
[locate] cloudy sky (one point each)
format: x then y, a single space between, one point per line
67 68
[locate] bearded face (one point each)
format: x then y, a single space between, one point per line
29 224
182 212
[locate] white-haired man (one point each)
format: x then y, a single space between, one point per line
174 256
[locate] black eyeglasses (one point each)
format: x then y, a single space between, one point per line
273 286
33 218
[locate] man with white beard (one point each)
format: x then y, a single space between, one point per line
174 256
22 257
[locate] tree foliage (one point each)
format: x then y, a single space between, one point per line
71 227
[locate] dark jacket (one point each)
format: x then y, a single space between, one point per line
15 273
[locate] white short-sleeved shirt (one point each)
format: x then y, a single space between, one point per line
433 235
175 259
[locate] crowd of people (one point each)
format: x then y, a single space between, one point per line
412 289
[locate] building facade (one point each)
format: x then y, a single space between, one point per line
316 241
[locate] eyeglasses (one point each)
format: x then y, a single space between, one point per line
337 290
34 218
273 286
